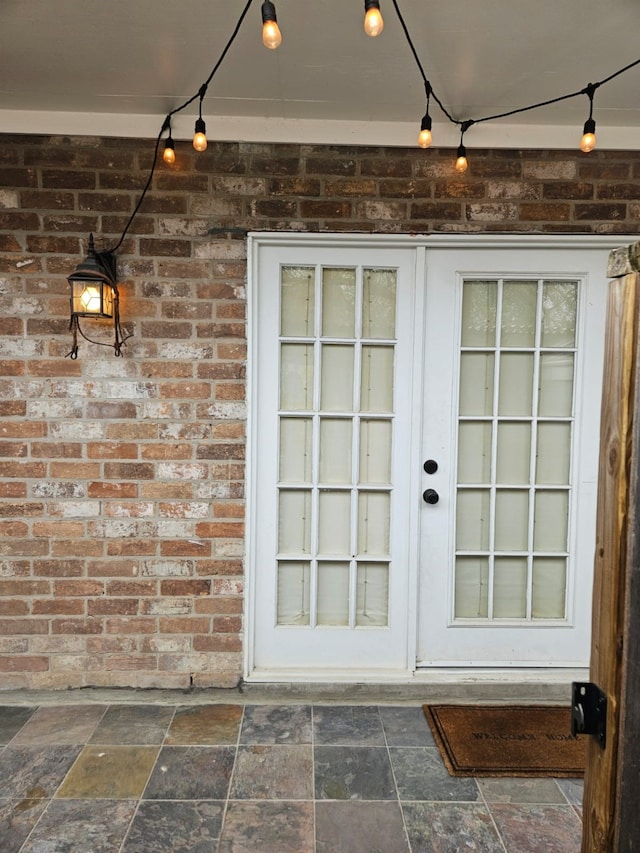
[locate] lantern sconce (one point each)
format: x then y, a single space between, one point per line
94 293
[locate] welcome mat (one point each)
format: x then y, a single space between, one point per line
506 740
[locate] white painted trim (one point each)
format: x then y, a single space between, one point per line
315 131
444 241
431 676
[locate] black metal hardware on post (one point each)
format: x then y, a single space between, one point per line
430 496
589 711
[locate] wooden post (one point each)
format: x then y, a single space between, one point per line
612 778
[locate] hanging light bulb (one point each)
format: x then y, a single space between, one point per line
271 35
169 153
424 137
588 141
373 23
200 135
461 159
200 131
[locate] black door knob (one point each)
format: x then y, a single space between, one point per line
431 496
430 466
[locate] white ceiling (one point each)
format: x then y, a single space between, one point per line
117 67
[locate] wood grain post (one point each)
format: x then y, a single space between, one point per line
612 779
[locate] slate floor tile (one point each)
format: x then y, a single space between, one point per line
276 724
573 790
77 825
17 819
34 772
12 719
273 772
354 725
169 826
531 829
267 827
353 773
421 775
360 827
405 726
191 773
451 828
110 772
521 791
133 724
60 724
205 724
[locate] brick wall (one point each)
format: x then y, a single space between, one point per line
122 479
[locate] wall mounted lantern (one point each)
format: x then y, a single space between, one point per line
94 293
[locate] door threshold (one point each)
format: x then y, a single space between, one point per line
542 685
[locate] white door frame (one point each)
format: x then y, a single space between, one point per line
420 244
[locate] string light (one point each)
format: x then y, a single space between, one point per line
462 163
373 23
271 35
588 138
424 137
200 131
372 9
169 153
588 141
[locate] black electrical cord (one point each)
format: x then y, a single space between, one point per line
464 124
588 90
167 122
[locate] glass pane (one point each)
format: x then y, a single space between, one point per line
296 309
294 522
554 453
472 520
333 594
516 384
556 385
476 383
559 310
379 304
373 523
334 524
479 301
548 598
336 393
295 450
550 521
338 302
510 588
472 588
293 594
375 452
518 314
335 450
474 452
514 452
296 376
512 520
376 387
372 597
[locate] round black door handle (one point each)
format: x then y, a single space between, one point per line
430 466
430 496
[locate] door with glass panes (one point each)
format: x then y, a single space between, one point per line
424 439
511 408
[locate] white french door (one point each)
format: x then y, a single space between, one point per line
331 437
423 454
513 367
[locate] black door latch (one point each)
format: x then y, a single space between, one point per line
589 711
